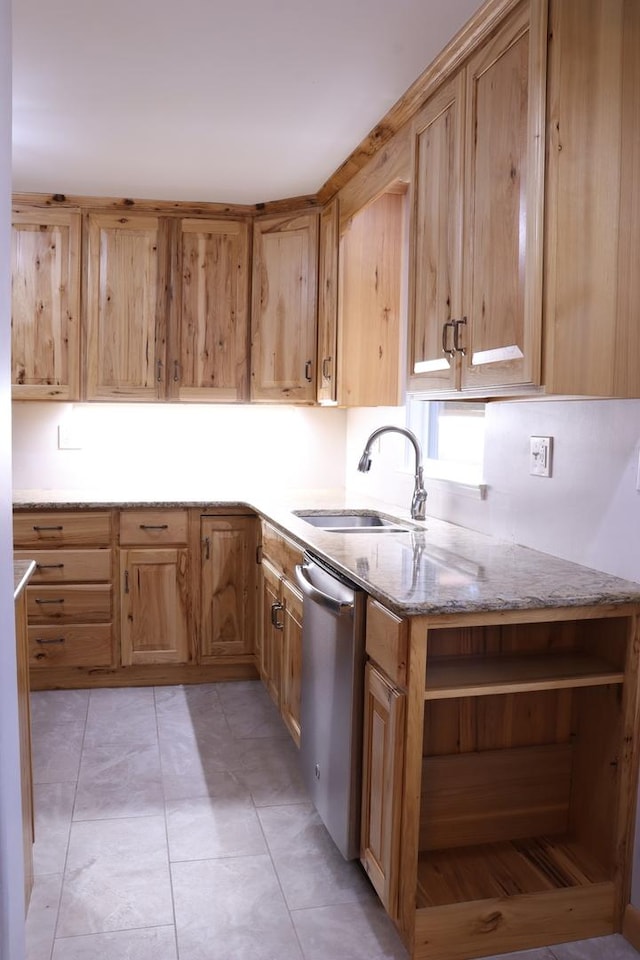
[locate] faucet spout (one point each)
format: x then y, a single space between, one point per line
419 497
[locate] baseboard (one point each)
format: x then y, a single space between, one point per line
631 926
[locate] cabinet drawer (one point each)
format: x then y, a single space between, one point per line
281 551
73 645
68 566
150 527
63 604
66 529
387 641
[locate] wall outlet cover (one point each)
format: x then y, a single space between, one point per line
540 456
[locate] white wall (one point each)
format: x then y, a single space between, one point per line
588 511
11 870
193 450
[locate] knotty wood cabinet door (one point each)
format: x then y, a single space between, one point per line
383 758
154 605
291 659
284 308
45 312
228 587
476 264
209 332
271 632
125 312
328 304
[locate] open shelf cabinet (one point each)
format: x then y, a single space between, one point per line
520 752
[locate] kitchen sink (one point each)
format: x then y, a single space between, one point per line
363 522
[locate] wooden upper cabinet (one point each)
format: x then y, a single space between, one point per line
370 310
592 218
125 310
45 314
284 308
476 287
328 304
209 339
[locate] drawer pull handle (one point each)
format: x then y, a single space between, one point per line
154 526
50 639
37 529
307 371
57 600
275 609
49 566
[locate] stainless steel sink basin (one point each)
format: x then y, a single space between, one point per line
363 522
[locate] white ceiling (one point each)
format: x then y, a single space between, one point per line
236 101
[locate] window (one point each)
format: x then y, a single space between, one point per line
451 433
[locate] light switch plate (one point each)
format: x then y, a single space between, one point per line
540 456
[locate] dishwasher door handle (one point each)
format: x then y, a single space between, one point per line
338 607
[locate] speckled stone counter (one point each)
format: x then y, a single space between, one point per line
22 572
434 567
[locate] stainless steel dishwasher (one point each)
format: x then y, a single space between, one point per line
331 698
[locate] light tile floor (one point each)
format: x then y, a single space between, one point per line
171 824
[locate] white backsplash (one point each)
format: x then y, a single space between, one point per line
198 449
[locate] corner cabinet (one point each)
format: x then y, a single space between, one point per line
500 778
476 235
284 308
45 310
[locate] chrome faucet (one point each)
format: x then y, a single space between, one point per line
419 498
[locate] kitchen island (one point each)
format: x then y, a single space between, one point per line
501 707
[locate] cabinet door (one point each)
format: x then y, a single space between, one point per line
271 633
291 659
210 349
383 756
328 304
436 232
154 605
370 304
127 274
228 592
504 162
284 309
45 312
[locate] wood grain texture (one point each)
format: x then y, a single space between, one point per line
291 667
284 308
69 603
281 552
383 754
24 732
504 202
271 635
328 304
146 675
150 527
45 311
68 566
209 337
435 273
228 587
71 645
126 269
370 308
387 641
61 528
495 795
155 606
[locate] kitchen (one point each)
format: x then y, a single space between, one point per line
590 503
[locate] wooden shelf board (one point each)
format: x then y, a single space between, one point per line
506 869
450 677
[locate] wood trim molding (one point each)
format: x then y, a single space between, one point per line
481 24
631 926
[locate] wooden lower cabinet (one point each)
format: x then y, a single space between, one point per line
154 606
281 627
24 724
228 587
383 752
499 788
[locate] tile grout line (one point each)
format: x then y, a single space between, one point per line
166 828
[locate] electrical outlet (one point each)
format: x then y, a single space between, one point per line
540 456
69 437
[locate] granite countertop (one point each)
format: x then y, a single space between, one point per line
435 567
22 573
